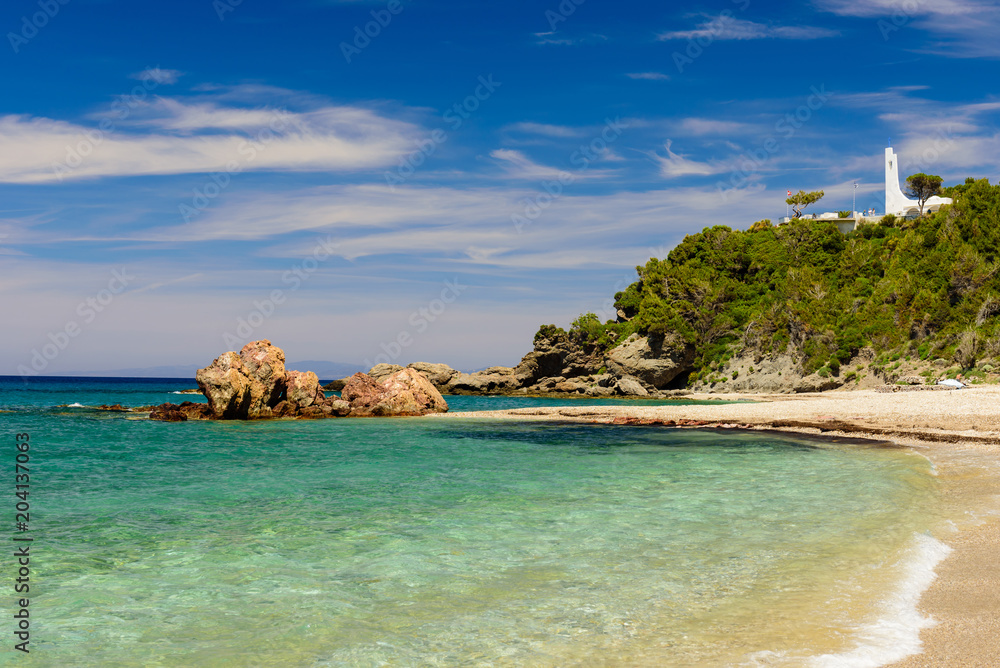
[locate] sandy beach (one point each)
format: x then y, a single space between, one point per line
945 426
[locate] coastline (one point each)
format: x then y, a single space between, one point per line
957 431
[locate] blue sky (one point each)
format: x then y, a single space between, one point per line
177 178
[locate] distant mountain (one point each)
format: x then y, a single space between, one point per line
325 370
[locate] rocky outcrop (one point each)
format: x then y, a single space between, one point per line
630 387
816 383
655 362
244 385
254 384
302 388
406 392
495 380
553 357
439 374
382 371
181 413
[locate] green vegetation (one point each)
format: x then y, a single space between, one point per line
845 214
802 199
926 289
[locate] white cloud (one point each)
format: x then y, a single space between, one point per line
964 28
725 27
648 76
707 126
545 129
876 8
517 165
674 165
158 75
330 138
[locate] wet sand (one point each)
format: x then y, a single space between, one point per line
964 600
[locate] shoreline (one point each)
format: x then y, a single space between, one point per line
945 427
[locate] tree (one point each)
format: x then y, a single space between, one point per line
802 199
923 187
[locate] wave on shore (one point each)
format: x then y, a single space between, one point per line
895 634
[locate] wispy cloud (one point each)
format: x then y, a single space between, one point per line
550 38
964 28
673 165
726 27
708 126
169 136
158 75
517 165
545 129
648 76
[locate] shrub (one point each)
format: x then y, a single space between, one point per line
845 214
823 372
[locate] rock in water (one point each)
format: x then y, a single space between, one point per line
406 392
412 394
302 388
438 374
245 385
382 371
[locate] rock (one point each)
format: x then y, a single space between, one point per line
314 412
338 407
483 383
406 392
599 391
570 387
604 380
167 413
382 371
816 383
940 362
653 361
361 388
185 411
557 356
411 393
438 374
302 388
335 385
910 380
496 371
630 387
244 385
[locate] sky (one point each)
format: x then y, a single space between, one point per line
400 181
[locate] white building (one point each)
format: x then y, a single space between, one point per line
895 201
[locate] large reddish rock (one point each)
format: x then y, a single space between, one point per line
254 384
302 388
246 385
405 392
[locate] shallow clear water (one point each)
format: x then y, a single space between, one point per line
441 542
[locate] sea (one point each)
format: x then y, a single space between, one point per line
455 542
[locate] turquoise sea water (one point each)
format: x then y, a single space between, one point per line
440 542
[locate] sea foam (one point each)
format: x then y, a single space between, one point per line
895 634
